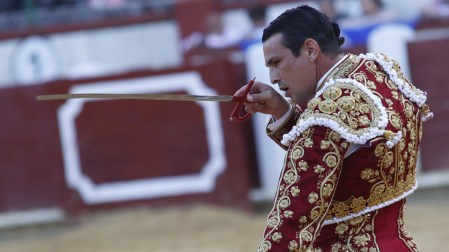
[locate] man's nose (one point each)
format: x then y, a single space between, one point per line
274 76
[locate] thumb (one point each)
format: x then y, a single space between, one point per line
250 98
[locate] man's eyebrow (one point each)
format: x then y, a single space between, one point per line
270 61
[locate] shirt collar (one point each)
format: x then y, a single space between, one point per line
330 70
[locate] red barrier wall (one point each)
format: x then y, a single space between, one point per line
429 68
119 141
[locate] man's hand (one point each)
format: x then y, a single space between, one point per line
266 100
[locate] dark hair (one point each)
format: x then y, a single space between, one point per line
303 22
257 13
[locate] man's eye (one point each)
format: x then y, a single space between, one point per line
277 62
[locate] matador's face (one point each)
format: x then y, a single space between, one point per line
294 75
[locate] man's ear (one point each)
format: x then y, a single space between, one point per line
313 49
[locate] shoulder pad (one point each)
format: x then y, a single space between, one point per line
347 107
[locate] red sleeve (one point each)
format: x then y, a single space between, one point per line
291 121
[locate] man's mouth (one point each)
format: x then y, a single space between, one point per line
285 89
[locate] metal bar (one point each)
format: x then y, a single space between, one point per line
165 97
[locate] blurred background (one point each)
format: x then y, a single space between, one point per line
122 175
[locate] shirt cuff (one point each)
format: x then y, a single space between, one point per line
276 124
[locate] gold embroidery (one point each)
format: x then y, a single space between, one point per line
288 214
389 102
311 105
346 103
308 143
395 121
325 144
327 106
285 202
313 197
340 209
342 70
302 166
295 191
364 120
306 236
395 94
404 233
279 133
408 110
292 245
297 153
332 93
290 177
264 246
349 120
276 237
331 160
361 240
372 67
362 78
341 228
327 190
358 205
318 169
272 222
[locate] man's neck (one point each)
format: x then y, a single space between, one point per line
327 66
325 63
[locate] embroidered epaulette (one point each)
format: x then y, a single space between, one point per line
347 107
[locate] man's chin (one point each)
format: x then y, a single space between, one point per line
302 101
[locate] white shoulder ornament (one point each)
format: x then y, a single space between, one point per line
334 112
414 94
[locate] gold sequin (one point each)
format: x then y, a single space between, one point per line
311 105
327 106
332 93
346 103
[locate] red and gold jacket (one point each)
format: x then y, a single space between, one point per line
350 162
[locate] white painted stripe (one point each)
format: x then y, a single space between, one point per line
31 217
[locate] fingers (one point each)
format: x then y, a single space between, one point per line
254 107
264 99
255 89
260 97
